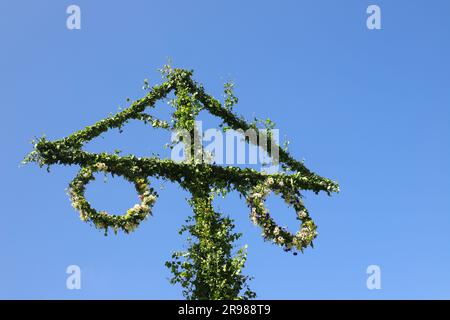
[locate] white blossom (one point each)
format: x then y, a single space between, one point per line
101 166
276 231
302 214
257 195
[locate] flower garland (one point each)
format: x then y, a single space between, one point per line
102 220
271 231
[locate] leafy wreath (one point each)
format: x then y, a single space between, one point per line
271 231
102 220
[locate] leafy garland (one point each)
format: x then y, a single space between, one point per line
199 178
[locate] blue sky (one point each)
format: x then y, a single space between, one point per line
368 108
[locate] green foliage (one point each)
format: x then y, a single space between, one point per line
230 98
207 269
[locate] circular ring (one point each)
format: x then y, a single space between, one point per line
271 231
103 220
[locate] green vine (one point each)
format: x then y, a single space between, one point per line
207 270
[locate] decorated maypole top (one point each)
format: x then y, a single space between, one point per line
207 269
190 174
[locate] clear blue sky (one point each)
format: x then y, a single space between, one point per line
369 109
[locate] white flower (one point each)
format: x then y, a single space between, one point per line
270 181
276 231
302 214
253 217
101 166
302 234
83 216
149 199
305 234
257 195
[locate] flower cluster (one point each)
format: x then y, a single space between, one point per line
102 220
271 231
100 166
